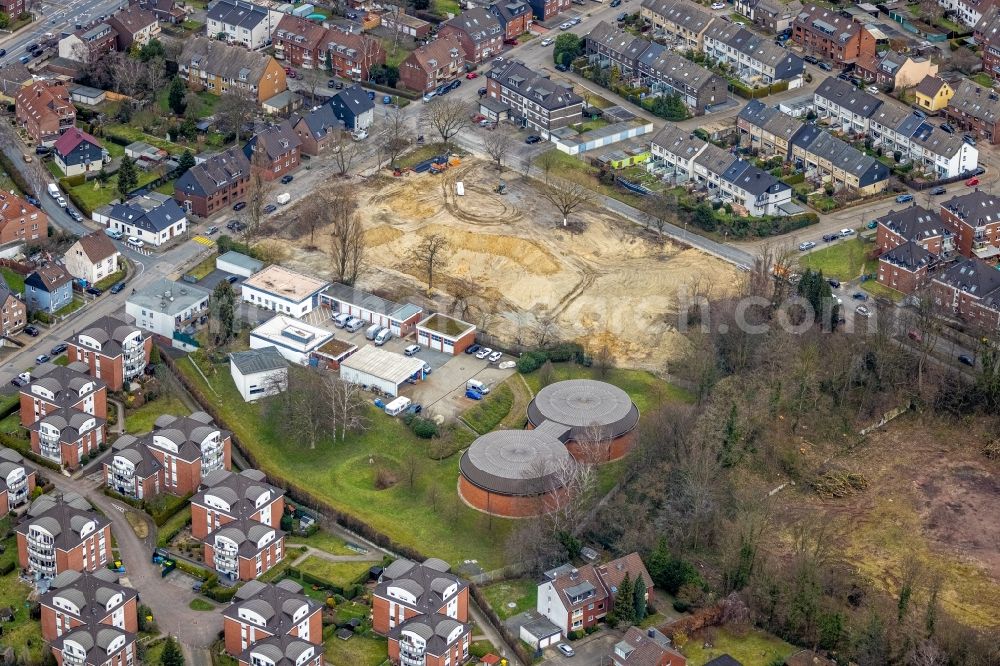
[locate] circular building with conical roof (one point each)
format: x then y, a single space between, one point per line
513 473
599 419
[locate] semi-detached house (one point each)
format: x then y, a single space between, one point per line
433 64
304 43
533 101
240 22
134 27
479 32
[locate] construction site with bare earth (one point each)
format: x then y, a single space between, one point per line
510 266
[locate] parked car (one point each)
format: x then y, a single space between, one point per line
495 357
93 291
473 394
562 68
615 3
371 95
19 382
859 296
482 91
939 190
808 245
411 350
472 75
972 182
473 348
240 205
546 42
75 214
3 52
387 99
61 201
456 83
484 352
42 150
58 349
566 650
863 311
287 178
969 139
565 26
32 330
833 283
845 232
829 238
967 360
945 127
33 201
135 242
331 83
42 358
270 208
415 408
904 198
428 96
873 90
873 224
118 288
534 138
718 5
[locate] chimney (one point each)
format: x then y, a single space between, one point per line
651 632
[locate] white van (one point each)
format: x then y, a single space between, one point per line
397 406
54 190
477 385
113 233
341 320
373 331
284 198
353 325
383 337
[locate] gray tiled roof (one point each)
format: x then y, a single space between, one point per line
909 255
478 23
537 88
63 517
222 60
89 592
434 629
241 14
977 101
258 360
847 96
406 572
215 173
242 490
282 650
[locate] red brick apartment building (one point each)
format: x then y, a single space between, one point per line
832 35
514 15
44 109
424 611
546 9
917 224
305 43
429 66
235 517
277 150
975 108
63 533
180 454
75 599
974 219
263 610
284 651
20 221
479 32
970 290
95 645
113 350
16 480
215 184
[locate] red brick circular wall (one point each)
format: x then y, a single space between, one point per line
509 506
617 450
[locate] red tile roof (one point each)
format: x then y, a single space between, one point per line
72 138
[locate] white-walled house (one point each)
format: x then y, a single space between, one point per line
166 307
153 218
283 291
259 373
92 258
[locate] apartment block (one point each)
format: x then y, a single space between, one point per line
261 611
115 351
63 533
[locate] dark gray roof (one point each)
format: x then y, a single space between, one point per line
246 534
243 14
63 516
678 142
49 277
278 140
479 24
508 10
110 332
828 22
278 604
421 579
972 276
220 59
70 422
68 384
515 462
898 118
724 660
914 223
435 630
258 360
539 89
977 208
584 403
909 255
319 121
282 650
351 102
154 220
751 179
89 592
848 96
96 639
930 85
371 302
215 173
977 101
137 452
241 490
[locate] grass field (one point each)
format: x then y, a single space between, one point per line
142 419
199 604
322 541
14 280
23 634
11 424
367 650
203 268
394 56
844 260
487 414
427 516
91 198
880 290
755 649
342 574
521 592
646 390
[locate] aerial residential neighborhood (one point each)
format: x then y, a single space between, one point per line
562 332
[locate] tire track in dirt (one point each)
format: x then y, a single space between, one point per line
587 281
507 214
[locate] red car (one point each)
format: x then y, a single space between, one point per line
972 182
472 75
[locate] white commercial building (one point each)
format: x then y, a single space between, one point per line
294 339
283 291
169 309
243 23
385 370
259 373
400 319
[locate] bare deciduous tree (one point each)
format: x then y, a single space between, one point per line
497 144
237 107
566 197
925 327
395 137
349 409
659 211
447 116
347 235
548 161
305 407
257 190
343 151
430 254
594 444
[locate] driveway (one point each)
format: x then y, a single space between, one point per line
593 650
443 392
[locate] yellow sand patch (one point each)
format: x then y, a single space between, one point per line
529 255
381 235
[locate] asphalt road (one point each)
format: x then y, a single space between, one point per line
56 17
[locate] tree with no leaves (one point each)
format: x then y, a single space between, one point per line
497 145
659 211
448 116
343 151
347 234
566 197
395 137
304 407
348 409
257 190
430 254
236 108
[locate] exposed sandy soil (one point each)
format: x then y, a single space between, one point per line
604 282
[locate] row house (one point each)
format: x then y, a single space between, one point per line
533 101
766 129
13 311
974 219
180 453
234 516
546 9
218 67
240 22
976 109
682 21
300 42
832 35
987 36
675 150
75 599
753 58
514 17
943 155
21 221
307 44
479 31
261 611
431 65
667 73
284 651
575 599
710 164
96 645
968 12
774 16
275 150
755 190
115 351
44 110
17 481
970 290
215 184
933 94
424 611
62 533
828 159
893 71
611 47
844 104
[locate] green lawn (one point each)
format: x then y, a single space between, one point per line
199 604
206 103
23 634
428 516
112 279
14 281
71 307
368 650
153 653
521 592
880 290
487 414
341 574
203 268
11 424
420 154
645 389
983 79
132 134
393 57
321 541
141 420
92 196
442 7
843 260
755 649
590 125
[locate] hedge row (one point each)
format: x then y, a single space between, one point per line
170 505
356 589
532 360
